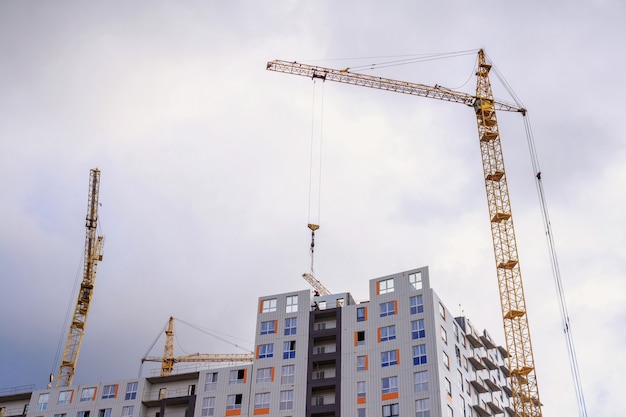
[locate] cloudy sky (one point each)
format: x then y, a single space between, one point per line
205 172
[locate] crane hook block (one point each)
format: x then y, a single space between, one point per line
313 227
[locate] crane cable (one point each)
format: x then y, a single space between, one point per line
567 329
313 225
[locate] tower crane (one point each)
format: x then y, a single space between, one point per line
168 360
526 401
93 255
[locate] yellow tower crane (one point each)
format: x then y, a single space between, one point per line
526 401
168 360
93 255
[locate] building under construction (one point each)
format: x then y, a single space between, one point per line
318 355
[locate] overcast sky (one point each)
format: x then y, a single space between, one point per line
205 172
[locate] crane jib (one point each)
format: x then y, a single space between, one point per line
380 83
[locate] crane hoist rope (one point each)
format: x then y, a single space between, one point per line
313 224
525 398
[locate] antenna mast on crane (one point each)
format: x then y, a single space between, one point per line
93 255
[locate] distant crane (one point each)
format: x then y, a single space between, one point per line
526 401
168 359
93 255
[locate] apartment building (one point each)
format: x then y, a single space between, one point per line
401 353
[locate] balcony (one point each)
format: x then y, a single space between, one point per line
487 342
476 364
478 386
503 352
474 341
489 363
480 411
492 385
495 408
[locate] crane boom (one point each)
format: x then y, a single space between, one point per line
346 77
318 286
525 396
93 255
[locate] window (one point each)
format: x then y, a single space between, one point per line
131 391
360 412
359 338
417 304
65 397
459 380
361 314
462 406
208 406
291 325
416 280
389 358
457 353
106 412
289 349
268 327
88 394
387 333
265 351
444 335
286 400
448 386
262 400
417 329
419 355
127 411
445 359
233 402
360 389
422 408
211 381
42 402
287 374
456 332
442 311
361 363
268 306
237 376
420 380
450 412
82 414
385 286
264 375
109 391
391 410
390 384
387 309
60 415
292 304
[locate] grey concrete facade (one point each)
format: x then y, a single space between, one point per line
402 352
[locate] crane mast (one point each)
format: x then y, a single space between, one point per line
516 330
525 396
93 255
